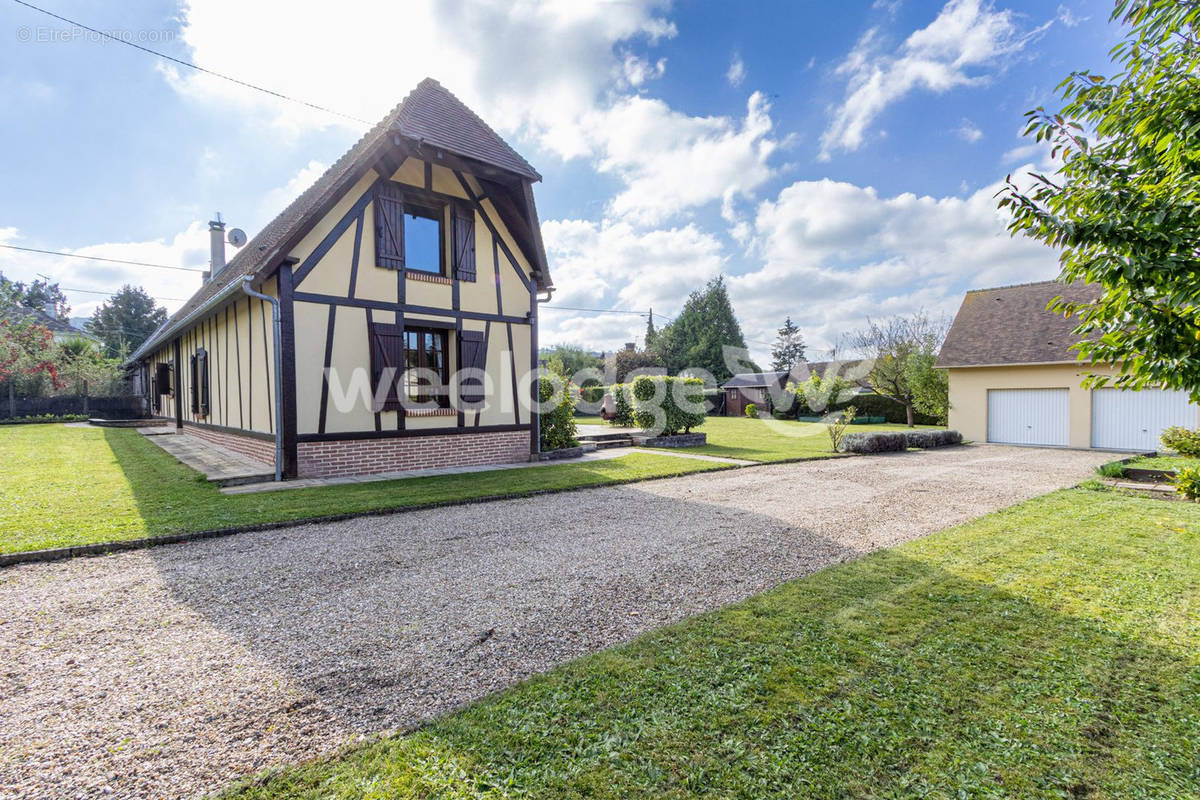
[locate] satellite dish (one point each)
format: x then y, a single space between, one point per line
237 237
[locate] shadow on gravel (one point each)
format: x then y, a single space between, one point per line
390 620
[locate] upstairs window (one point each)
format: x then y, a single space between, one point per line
408 233
422 239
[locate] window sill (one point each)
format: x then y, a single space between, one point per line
427 277
430 412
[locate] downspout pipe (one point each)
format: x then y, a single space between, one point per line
275 328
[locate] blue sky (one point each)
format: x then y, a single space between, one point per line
835 160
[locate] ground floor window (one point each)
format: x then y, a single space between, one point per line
425 350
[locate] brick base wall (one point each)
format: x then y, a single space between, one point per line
259 449
366 456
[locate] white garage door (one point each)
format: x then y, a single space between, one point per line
1029 416
1128 420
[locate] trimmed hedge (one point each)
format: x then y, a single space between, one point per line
878 442
44 418
868 405
650 397
675 404
928 439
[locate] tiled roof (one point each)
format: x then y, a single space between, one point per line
748 380
799 373
20 314
1012 325
430 113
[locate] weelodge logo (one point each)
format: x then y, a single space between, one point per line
420 389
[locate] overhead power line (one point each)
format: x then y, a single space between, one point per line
98 258
599 310
97 291
190 65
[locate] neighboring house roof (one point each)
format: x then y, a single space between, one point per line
428 115
1012 325
57 326
751 380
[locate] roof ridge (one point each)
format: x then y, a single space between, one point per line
1016 285
430 82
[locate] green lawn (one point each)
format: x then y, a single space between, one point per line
1048 650
767 439
64 486
1163 462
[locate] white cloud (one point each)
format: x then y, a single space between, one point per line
835 253
671 162
525 66
614 265
187 248
1067 17
736 72
967 38
969 132
277 199
635 71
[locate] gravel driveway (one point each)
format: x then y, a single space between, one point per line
167 672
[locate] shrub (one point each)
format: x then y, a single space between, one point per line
879 442
557 425
752 410
592 394
1182 440
927 439
1187 482
672 405
624 405
1113 469
44 418
837 429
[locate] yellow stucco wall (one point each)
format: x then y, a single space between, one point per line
969 399
241 356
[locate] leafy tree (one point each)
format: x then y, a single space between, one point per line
1124 205
930 386
625 362
821 393
126 320
789 347
26 352
699 335
37 294
568 360
888 348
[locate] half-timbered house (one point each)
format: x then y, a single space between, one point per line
386 320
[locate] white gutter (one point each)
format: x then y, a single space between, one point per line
154 341
245 285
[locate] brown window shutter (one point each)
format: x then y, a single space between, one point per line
163 374
389 227
387 351
464 242
472 354
194 384
202 373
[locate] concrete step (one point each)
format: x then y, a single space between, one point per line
242 480
605 444
603 437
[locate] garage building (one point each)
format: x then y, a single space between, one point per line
1015 380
